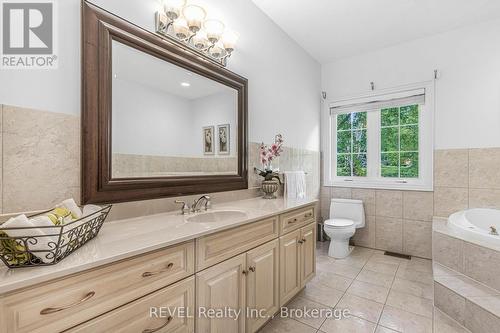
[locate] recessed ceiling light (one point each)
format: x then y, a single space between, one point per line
185 84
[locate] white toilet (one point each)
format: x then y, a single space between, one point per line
346 216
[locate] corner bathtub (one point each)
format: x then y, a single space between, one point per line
477 224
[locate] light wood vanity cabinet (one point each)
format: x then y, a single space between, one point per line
262 284
62 304
297 261
150 313
258 266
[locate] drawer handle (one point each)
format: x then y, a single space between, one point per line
244 272
300 241
152 330
294 220
47 311
148 274
308 215
303 240
251 268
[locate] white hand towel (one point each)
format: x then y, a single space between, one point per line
295 184
91 209
43 240
71 205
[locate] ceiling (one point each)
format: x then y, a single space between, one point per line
333 29
141 68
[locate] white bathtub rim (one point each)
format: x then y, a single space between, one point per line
440 224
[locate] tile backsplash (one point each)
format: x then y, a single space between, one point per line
40 166
401 221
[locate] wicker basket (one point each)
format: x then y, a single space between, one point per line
61 241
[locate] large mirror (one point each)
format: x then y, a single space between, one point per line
157 119
169 121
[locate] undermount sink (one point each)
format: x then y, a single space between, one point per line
217 216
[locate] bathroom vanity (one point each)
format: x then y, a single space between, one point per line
258 258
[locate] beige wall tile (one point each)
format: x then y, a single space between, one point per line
366 236
484 198
448 200
389 234
341 192
368 198
447 251
483 165
482 264
449 302
389 203
417 238
41 159
418 205
451 168
479 320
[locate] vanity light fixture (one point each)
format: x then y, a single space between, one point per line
187 23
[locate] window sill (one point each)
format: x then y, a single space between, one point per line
410 186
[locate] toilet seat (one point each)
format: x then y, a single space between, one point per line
339 223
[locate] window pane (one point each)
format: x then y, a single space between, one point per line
344 142
389 117
359 141
344 121
409 165
359 165
344 165
390 165
359 120
409 115
389 139
409 138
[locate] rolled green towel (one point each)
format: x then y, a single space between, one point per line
12 250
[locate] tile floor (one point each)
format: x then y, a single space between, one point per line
383 295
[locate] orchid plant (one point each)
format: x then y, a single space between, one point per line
267 155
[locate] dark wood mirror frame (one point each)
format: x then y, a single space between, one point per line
99 29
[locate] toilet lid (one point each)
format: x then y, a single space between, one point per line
339 222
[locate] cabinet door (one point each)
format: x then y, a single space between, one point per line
262 284
221 289
307 253
289 265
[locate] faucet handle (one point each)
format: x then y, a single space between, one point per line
185 206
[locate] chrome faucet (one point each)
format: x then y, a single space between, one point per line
493 231
195 207
185 207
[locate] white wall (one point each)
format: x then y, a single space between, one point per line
213 110
467 92
147 121
284 82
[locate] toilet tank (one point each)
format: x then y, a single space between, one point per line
348 209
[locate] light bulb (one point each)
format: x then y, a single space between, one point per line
200 40
229 39
173 8
181 29
214 29
217 51
194 16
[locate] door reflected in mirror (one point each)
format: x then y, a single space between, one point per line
169 121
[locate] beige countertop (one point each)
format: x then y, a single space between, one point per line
123 239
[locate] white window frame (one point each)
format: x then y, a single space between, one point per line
373 179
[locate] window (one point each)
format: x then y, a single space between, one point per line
382 141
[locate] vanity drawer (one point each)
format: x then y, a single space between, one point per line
215 248
296 219
168 310
65 303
